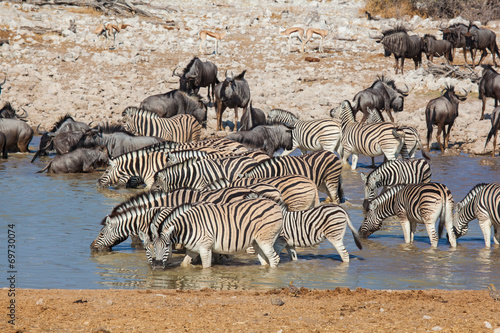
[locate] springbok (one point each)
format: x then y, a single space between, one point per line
107 29
311 32
210 35
292 32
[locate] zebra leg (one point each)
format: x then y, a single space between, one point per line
338 244
266 253
496 234
292 253
188 259
405 225
431 230
354 161
279 245
485 225
206 257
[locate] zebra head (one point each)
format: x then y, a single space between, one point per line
372 222
460 227
111 176
370 187
108 236
160 183
158 247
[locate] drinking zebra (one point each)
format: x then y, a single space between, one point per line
221 145
198 174
204 228
482 203
310 227
309 135
136 214
414 203
179 128
322 167
298 192
412 171
368 139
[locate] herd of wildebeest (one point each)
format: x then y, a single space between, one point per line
222 195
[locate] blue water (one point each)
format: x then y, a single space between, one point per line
56 217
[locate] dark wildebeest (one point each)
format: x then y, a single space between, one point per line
3 145
442 111
382 95
7 111
455 34
17 133
118 141
79 160
252 118
176 102
437 48
198 74
402 46
269 138
495 125
233 93
66 142
489 86
481 39
63 124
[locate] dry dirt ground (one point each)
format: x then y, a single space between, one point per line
339 310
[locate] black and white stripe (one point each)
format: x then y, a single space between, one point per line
414 203
179 128
322 167
310 227
206 228
482 203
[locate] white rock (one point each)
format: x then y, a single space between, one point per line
487 325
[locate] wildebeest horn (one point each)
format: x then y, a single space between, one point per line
4 80
377 37
39 131
24 115
442 91
405 92
174 73
463 96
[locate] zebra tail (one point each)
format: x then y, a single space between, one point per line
45 168
446 216
354 232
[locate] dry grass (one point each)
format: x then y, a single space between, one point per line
84 10
390 8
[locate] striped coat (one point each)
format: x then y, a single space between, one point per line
206 228
179 128
482 203
414 203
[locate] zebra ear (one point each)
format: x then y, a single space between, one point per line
169 232
363 176
143 236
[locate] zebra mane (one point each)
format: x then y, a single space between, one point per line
277 116
381 167
131 110
113 128
159 225
137 198
133 154
218 184
130 210
388 192
472 193
60 121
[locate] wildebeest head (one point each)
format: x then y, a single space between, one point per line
191 75
396 95
229 85
7 111
449 93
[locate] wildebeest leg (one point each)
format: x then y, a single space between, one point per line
483 55
484 106
465 55
429 135
396 65
402 65
438 136
494 143
473 56
235 119
220 110
448 135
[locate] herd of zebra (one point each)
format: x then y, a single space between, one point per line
217 196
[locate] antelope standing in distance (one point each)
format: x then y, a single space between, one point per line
210 35
310 33
292 32
107 29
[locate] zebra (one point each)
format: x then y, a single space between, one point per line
310 135
413 203
179 128
277 116
411 171
310 227
412 138
205 227
198 174
298 192
221 145
482 203
322 167
127 218
368 139
139 164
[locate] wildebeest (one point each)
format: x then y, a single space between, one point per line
252 118
481 39
63 124
3 145
1 84
66 142
7 111
437 48
233 93
495 125
269 138
397 42
442 111
79 160
17 133
455 34
382 95
489 86
198 74
176 102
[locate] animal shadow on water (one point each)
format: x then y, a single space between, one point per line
311 256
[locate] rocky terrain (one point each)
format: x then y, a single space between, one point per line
52 71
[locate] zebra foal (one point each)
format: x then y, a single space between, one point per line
322 167
372 140
206 228
310 227
180 128
482 203
309 135
414 203
389 173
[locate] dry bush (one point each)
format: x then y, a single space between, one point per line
391 8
